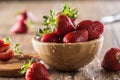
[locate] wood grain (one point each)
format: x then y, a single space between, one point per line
87 10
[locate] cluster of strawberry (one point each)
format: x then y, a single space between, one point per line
61 28
34 71
24 21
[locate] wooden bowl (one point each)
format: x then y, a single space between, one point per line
67 56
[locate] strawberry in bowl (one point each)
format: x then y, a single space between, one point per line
64 46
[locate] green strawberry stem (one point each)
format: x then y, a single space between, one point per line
13 45
72 13
29 23
49 22
25 66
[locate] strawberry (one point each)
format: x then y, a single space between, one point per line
5 52
71 13
60 24
49 37
37 71
76 36
64 25
1 42
20 27
111 61
3 46
95 28
6 55
22 16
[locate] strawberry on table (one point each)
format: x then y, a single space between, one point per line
7 49
111 61
24 15
3 46
5 53
95 28
35 71
24 22
20 27
76 36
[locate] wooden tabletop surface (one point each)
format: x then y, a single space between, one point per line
87 10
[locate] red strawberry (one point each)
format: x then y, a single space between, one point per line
71 13
22 16
3 46
111 61
95 28
20 27
64 25
49 37
37 71
6 55
76 36
1 43
72 19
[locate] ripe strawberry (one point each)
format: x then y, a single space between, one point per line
3 46
20 27
37 71
49 37
64 25
22 16
71 13
95 28
76 36
111 61
6 55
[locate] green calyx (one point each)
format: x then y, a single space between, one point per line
49 22
72 13
119 58
13 45
25 66
29 23
43 31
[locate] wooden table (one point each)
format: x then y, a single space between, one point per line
87 10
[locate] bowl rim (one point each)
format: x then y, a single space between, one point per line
49 43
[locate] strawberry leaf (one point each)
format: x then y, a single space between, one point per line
50 21
25 66
72 13
14 46
29 23
43 31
